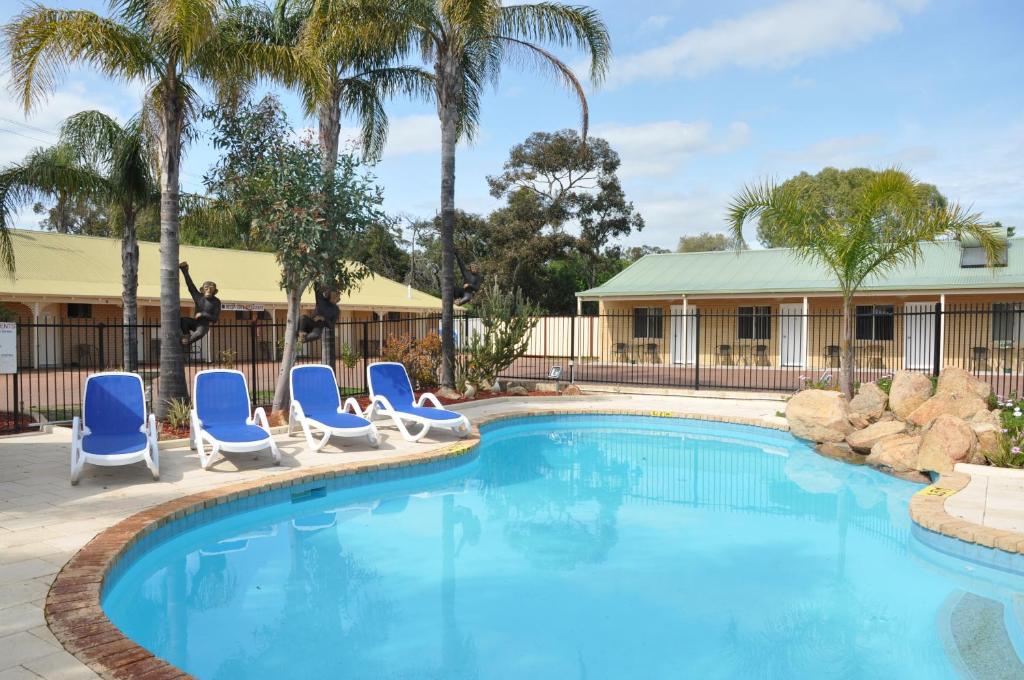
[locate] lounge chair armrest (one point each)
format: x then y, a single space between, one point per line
196 423
376 401
351 406
296 408
429 397
76 429
260 416
152 426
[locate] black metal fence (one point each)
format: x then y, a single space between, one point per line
769 348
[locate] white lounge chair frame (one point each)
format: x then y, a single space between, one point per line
258 418
296 416
379 405
79 457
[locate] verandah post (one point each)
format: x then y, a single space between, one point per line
252 359
696 353
937 341
572 346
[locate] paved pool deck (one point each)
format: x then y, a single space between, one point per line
44 520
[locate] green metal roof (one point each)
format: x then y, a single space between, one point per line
778 270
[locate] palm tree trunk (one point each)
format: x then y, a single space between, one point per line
447 109
172 366
329 119
281 392
847 372
130 288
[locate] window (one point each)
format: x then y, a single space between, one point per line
647 322
77 310
394 316
1006 322
874 322
755 323
241 315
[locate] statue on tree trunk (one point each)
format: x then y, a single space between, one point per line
471 281
207 309
324 315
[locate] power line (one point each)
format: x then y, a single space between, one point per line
21 134
30 127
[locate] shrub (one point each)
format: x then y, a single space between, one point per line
349 357
421 358
884 383
228 357
507 319
822 383
1011 441
178 414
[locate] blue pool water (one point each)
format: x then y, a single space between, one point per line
569 547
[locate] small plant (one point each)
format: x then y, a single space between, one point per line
421 358
507 319
6 314
179 412
228 357
822 383
884 383
1010 452
349 357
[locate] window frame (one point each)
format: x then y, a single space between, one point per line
754 322
869 320
83 310
653 318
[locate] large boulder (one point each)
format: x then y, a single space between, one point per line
954 380
908 391
869 401
988 428
897 452
963 406
864 440
947 441
819 415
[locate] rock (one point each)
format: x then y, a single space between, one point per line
448 393
897 452
840 451
909 390
572 391
963 406
864 440
887 416
912 476
870 401
470 392
496 387
858 421
819 415
518 391
988 428
947 441
953 380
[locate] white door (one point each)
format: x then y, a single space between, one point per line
48 342
684 337
919 334
791 334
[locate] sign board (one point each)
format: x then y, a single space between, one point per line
241 307
8 347
555 373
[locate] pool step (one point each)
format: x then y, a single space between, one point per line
975 637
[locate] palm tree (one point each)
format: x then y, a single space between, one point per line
466 42
881 230
172 46
107 162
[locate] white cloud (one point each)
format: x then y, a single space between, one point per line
655 22
668 217
775 37
659 148
414 134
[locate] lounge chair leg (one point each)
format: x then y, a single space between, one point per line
76 469
275 453
373 438
322 442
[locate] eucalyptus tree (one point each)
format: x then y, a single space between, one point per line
880 230
466 43
173 47
110 163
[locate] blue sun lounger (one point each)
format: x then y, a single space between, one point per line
316 404
222 415
114 428
391 395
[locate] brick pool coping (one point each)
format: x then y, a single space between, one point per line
76 618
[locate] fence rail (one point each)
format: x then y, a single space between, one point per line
747 348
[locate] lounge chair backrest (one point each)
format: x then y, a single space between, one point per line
388 379
314 387
221 397
114 403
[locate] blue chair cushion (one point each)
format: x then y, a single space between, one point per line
237 434
392 382
113 444
114 404
221 398
338 420
314 388
431 413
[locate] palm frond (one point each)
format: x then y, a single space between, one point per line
561 25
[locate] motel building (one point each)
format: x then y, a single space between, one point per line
66 286
770 310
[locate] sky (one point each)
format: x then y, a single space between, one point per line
702 98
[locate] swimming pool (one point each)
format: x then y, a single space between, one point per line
571 547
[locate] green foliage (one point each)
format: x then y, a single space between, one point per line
349 357
507 320
228 357
178 414
706 241
421 357
6 314
824 382
884 383
1010 451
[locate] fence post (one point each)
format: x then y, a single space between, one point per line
252 359
696 351
365 351
937 340
100 353
572 346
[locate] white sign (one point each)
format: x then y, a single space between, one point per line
241 307
8 347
